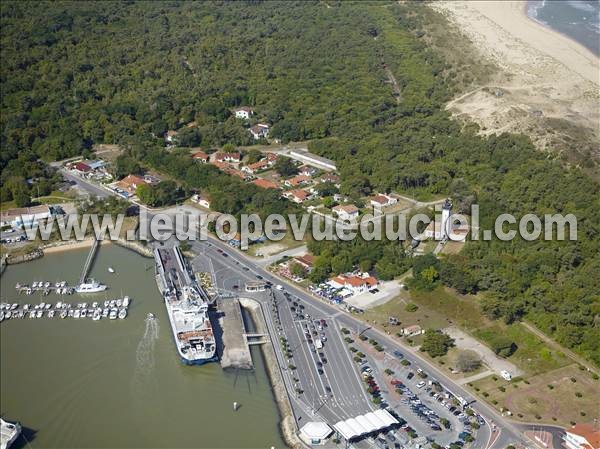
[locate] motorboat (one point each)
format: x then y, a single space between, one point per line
51 314
77 313
122 313
91 286
97 315
105 312
63 314
113 314
111 270
39 314
126 301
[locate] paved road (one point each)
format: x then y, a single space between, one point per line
92 189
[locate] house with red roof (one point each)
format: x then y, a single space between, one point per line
200 156
356 284
297 196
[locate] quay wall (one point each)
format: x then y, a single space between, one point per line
288 423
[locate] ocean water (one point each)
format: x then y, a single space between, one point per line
577 19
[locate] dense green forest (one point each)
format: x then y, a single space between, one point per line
76 74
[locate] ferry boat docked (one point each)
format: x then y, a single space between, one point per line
9 432
187 310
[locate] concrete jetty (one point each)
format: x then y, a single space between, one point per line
235 352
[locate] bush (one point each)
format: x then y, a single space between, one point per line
578 394
411 307
468 361
551 387
503 346
436 343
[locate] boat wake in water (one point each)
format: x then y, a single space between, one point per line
144 382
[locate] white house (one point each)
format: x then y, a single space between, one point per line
346 211
382 200
25 215
259 131
243 112
228 157
582 436
353 283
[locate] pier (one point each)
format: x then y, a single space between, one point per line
236 350
89 260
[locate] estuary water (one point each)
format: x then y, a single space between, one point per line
119 384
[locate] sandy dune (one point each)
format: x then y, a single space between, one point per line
542 74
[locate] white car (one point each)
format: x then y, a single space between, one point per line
279 287
421 384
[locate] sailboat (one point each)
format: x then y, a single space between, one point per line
111 270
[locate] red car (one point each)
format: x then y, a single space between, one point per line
396 382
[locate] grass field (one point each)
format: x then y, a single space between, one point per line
532 355
562 396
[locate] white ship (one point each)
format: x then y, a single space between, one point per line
187 309
91 286
9 432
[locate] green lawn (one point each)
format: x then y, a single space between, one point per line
532 354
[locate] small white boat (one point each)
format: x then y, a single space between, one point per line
18 285
71 312
150 316
77 313
97 314
105 312
111 270
56 284
7 315
63 283
32 314
1 315
113 314
94 304
126 301
63 314
29 291
42 305
51 314
26 307
48 306
111 303
14 306
39 313
34 285
119 302
47 284
83 313
122 313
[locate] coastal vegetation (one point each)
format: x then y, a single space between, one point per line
79 74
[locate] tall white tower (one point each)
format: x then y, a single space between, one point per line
446 222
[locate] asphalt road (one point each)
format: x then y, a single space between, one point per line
229 272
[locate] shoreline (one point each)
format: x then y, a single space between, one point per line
287 424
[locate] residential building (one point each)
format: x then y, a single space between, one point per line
381 200
201 200
297 181
297 195
346 211
201 156
306 261
243 112
355 284
272 158
307 170
233 158
81 168
330 177
582 436
265 184
256 167
130 183
171 136
259 131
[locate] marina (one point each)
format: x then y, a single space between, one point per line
127 379
111 309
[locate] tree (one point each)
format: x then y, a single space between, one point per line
285 166
254 156
503 345
468 361
297 270
436 343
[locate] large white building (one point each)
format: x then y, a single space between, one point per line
16 218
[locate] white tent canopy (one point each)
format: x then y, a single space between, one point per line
364 424
316 430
